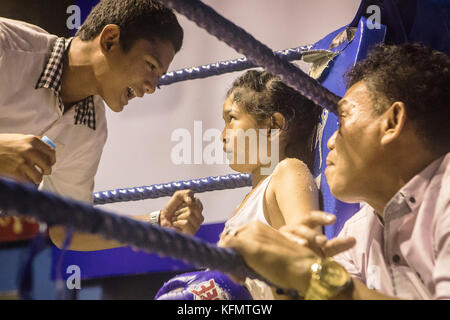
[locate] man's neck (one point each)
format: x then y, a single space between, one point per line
394 177
78 79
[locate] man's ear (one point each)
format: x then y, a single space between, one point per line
109 37
393 122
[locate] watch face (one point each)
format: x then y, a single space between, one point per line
334 274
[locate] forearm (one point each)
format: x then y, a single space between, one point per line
82 241
87 242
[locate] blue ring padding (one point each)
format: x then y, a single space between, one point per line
334 81
125 261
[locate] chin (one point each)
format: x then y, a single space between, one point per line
115 107
342 192
241 168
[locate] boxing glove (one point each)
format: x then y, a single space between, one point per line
202 285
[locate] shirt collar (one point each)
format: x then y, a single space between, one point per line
414 189
51 79
410 196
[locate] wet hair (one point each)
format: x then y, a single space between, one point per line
137 19
417 76
261 94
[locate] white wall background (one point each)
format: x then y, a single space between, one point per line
138 150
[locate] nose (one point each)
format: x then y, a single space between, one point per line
150 85
149 88
331 144
224 136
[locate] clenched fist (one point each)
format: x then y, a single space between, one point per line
183 212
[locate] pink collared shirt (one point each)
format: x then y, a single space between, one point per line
409 255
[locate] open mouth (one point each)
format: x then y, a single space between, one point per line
131 93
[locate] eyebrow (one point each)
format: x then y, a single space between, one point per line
341 103
226 112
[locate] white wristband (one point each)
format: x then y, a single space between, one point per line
154 217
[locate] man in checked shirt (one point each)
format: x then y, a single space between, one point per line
55 87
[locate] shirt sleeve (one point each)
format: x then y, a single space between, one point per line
441 272
346 258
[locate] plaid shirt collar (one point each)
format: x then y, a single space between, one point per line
51 79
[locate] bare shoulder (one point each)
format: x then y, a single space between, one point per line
292 173
292 166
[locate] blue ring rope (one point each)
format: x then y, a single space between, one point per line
19 199
230 181
255 51
222 67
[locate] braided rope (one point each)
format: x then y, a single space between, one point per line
19 199
222 67
230 181
258 53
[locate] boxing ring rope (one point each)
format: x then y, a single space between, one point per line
230 181
255 51
24 200
222 67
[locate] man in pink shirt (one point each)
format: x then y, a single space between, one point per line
391 152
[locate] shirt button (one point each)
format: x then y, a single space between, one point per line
396 258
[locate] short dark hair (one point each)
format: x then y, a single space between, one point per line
415 75
136 19
262 94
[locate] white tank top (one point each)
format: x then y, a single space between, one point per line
253 210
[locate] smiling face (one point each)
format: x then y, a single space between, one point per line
130 74
355 149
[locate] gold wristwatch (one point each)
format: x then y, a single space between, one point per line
328 279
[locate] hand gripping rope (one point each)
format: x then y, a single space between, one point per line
19 199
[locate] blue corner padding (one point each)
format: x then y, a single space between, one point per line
334 81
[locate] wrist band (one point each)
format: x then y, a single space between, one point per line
154 217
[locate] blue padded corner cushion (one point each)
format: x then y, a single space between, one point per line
334 81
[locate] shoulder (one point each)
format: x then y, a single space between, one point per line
360 220
294 175
292 168
439 196
290 165
21 36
